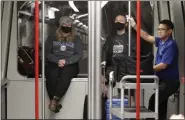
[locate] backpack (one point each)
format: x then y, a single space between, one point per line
108 55
126 65
26 61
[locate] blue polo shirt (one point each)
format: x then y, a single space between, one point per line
167 53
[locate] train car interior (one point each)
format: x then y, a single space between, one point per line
18 41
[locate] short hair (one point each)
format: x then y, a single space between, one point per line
168 23
124 15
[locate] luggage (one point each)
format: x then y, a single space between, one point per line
126 65
116 102
26 61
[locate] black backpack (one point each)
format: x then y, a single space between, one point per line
108 55
126 65
26 61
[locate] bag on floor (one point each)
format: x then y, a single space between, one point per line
26 61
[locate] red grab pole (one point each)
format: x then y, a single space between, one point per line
138 63
36 60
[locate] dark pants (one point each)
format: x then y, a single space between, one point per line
166 89
58 79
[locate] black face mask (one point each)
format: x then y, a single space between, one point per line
119 26
66 29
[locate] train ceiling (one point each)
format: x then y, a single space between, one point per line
109 11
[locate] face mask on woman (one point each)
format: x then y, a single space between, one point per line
66 29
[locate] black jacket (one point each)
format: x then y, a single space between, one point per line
108 54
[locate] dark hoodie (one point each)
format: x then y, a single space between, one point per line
71 51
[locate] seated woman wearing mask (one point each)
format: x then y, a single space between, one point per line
63 52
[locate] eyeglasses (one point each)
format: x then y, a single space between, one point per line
162 29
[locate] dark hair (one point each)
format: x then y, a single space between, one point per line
124 15
168 23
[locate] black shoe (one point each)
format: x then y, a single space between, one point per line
53 108
59 106
57 110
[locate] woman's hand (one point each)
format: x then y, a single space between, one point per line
61 63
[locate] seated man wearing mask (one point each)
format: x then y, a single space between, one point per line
118 44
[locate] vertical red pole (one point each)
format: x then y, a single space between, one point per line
138 63
36 60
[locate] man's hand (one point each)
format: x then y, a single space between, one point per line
159 67
61 63
143 34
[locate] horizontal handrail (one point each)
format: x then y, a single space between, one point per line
141 76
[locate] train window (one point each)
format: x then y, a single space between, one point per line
77 10
114 8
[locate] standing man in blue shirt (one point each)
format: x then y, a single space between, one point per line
166 64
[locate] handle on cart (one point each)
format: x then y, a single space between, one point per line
103 65
141 76
111 78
